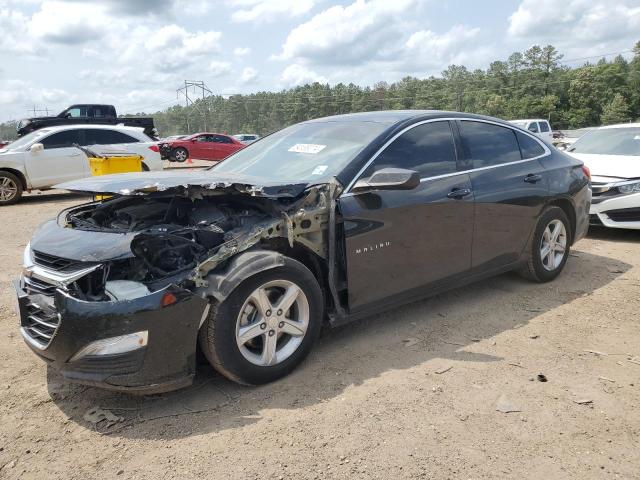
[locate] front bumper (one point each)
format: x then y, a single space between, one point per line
166 363
622 211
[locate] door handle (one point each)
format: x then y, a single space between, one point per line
533 178
458 193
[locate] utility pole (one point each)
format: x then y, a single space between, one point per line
198 88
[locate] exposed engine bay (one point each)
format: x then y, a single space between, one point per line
182 235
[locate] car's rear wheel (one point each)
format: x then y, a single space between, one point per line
550 246
180 154
10 188
266 326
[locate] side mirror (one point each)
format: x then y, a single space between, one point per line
36 147
389 179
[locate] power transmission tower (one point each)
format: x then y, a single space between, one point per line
36 111
198 89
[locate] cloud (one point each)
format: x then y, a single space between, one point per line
580 25
241 51
373 40
68 23
14 33
249 75
175 47
360 31
296 74
219 69
258 11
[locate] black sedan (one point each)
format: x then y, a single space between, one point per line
320 223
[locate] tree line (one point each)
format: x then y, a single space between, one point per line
534 83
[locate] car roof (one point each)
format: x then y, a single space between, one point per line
530 120
622 125
96 126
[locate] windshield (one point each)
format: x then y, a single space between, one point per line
27 139
306 152
609 141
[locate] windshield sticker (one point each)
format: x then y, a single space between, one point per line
307 148
320 169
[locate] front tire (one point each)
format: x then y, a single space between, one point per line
550 246
180 154
10 188
266 326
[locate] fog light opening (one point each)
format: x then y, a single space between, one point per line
114 345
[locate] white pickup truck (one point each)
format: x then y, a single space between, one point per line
47 156
539 126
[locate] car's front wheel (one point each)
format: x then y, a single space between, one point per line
550 246
180 154
266 326
10 188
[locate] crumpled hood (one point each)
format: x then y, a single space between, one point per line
618 166
138 183
81 245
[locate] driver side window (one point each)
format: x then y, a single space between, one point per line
62 139
428 149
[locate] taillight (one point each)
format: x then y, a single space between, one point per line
586 171
154 148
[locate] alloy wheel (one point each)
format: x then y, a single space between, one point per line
272 323
8 189
180 155
553 245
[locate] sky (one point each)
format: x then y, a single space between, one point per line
136 53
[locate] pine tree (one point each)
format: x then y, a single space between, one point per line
616 111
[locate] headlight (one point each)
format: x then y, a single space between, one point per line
27 257
114 345
629 188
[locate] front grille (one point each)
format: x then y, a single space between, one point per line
36 286
57 264
41 320
624 215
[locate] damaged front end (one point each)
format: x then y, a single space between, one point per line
113 293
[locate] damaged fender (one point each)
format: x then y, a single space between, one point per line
241 267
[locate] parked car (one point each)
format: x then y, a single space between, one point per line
247 138
47 156
203 146
569 137
327 221
612 154
87 114
538 126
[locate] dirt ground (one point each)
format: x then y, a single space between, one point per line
408 394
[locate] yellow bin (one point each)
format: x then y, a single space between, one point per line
115 164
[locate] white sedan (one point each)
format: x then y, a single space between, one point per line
47 156
612 154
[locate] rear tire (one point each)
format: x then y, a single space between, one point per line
10 188
550 246
180 154
237 332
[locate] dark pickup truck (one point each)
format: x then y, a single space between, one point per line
87 113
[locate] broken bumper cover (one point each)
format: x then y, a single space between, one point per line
167 361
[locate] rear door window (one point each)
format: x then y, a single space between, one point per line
107 137
487 144
428 149
544 127
62 139
221 139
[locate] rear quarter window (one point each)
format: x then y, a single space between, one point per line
107 137
529 147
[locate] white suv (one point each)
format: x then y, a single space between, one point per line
539 126
47 156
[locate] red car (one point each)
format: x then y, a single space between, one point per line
203 146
